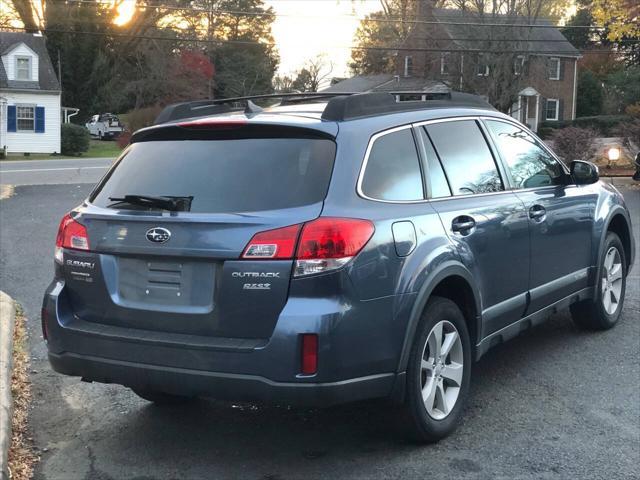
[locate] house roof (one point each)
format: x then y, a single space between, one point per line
387 82
465 33
47 76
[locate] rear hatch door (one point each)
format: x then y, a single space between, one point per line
180 271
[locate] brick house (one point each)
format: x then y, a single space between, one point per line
533 76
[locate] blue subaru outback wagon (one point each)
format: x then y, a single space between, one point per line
329 249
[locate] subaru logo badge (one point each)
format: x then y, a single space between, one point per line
158 235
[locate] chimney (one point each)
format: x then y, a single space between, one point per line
425 8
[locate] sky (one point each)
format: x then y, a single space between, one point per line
304 29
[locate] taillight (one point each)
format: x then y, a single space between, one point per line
71 234
329 243
309 361
325 244
273 244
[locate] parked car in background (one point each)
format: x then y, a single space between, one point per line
104 126
321 252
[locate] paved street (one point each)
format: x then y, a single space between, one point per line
553 403
41 172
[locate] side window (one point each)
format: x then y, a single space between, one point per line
466 158
530 165
437 185
393 169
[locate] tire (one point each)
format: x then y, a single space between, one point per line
434 419
161 398
100 136
597 313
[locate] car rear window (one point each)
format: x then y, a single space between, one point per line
393 169
224 176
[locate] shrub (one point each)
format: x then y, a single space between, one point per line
604 125
630 131
123 139
574 143
141 117
633 110
75 139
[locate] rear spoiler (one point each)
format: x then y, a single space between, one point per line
225 129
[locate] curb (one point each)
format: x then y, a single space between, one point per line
7 324
627 180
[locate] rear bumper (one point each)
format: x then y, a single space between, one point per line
225 386
236 369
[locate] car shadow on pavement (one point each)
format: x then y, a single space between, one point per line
232 436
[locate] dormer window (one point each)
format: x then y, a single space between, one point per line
23 68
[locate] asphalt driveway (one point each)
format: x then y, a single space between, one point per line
553 403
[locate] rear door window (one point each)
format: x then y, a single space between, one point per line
437 186
393 169
224 176
466 157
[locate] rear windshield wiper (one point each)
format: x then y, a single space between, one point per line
164 202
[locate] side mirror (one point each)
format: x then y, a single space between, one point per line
584 173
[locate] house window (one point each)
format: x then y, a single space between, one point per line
444 64
518 65
25 118
552 109
483 67
408 66
23 68
554 69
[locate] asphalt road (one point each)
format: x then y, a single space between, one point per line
553 403
63 171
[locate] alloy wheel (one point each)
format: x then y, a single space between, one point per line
441 369
612 280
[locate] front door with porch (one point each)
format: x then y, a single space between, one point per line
527 108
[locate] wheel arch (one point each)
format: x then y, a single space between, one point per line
452 280
619 223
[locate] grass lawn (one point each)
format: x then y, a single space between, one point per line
105 148
97 148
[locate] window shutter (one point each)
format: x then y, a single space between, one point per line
12 123
560 109
543 108
561 76
39 124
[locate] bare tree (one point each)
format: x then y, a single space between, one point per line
31 13
313 75
283 84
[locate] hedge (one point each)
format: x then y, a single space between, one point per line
75 139
604 125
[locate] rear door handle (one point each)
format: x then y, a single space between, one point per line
537 212
463 224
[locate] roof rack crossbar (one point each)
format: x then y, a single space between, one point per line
366 104
214 106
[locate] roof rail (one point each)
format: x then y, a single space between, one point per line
340 106
367 104
198 108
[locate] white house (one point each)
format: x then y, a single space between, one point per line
29 95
